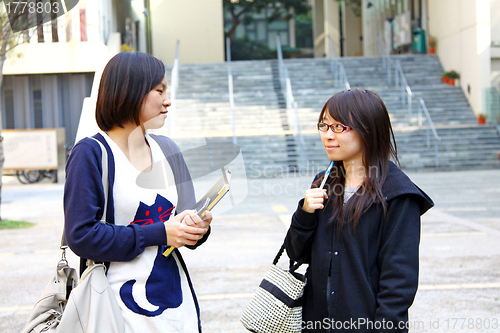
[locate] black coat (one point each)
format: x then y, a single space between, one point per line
373 270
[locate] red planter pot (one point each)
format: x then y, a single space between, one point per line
432 50
451 82
481 121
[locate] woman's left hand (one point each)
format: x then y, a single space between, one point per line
194 220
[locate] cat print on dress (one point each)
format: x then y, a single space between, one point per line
163 286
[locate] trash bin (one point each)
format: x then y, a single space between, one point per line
419 41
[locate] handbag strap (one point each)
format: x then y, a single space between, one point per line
105 181
105 185
293 266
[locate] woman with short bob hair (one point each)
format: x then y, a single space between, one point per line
360 233
128 77
149 200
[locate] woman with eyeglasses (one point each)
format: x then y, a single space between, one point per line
360 233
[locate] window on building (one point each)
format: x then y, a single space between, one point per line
36 97
53 17
304 31
259 29
40 101
39 21
8 103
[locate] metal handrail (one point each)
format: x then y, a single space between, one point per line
290 101
404 87
400 81
230 87
174 85
430 127
383 51
399 75
339 75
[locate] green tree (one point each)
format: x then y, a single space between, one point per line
9 39
242 10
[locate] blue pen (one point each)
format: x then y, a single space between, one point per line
327 173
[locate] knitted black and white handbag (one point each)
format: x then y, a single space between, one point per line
277 304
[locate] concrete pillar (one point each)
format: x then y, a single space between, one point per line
291 33
332 24
352 32
318 29
367 28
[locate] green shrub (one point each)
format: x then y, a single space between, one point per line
9 224
246 49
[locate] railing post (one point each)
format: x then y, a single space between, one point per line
396 76
436 142
289 95
300 137
428 135
389 73
174 82
420 107
337 74
230 87
280 63
290 102
409 108
403 88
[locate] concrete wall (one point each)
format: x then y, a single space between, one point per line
44 58
197 24
495 37
462 30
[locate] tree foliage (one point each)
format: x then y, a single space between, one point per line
242 10
8 41
246 49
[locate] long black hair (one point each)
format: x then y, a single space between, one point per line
365 113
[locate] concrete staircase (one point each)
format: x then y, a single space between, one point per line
464 143
265 129
261 119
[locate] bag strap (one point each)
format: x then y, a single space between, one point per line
293 266
105 185
105 181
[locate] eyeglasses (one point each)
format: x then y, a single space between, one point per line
337 128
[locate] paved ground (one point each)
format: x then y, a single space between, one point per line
460 250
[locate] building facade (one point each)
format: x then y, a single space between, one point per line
47 78
467 34
48 75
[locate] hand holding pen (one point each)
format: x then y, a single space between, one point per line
315 197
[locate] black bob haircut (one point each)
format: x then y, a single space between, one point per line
126 80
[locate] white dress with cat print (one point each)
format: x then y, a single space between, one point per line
152 291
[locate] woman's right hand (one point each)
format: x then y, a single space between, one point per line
180 234
314 199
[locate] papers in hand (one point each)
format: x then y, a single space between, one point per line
209 200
